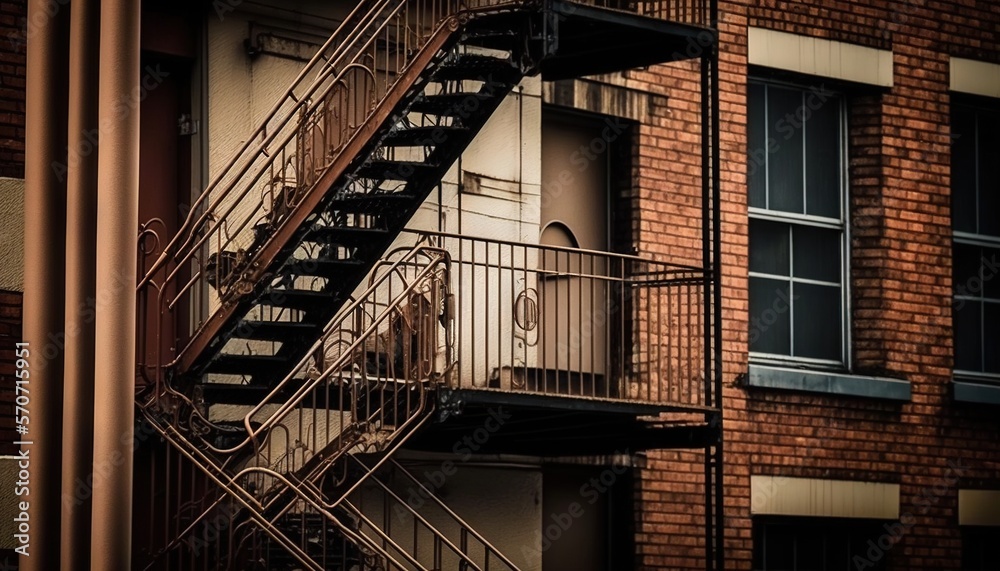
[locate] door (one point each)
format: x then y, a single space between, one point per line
573 345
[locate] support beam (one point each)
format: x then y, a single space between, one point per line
44 278
81 275
117 209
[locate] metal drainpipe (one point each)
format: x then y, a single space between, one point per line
81 261
117 209
44 275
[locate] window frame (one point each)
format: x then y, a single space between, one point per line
973 239
842 224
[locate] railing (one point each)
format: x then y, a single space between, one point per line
360 389
570 322
339 94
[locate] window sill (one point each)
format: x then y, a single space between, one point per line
826 382
975 391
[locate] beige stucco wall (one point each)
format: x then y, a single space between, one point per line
8 501
504 505
12 234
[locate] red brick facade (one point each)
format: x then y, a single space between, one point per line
12 70
900 276
10 333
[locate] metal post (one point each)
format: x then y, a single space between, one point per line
81 236
117 209
44 253
717 458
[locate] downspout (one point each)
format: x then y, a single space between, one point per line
117 209
81 276
44 275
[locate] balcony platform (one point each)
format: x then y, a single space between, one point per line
556 425
591 40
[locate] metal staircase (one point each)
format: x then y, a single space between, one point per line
291 396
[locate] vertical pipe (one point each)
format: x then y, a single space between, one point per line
118 197
81 235
44 276
707 263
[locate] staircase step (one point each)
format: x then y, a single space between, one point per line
325 268
424 136
492 39
372 203
249 365
328 395
448 104
304 300
477 67
396 170
346 235
276 330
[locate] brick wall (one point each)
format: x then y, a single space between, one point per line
10 333
12 70
900 279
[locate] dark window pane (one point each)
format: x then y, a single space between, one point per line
784 108
779 547
963 170
989 174
809 552
965 269
769 247
757 145
968 338
989 263
818 315
817 253
979 545
838 549
991 337
770 330
823 172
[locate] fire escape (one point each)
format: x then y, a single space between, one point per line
294 337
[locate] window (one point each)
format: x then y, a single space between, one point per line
817 544
975 196
797 236
979 548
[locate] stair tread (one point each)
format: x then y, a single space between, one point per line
275 330
230 364
381 169
295 299
446 104
423 136
476 67
345 235
371 203
322 267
